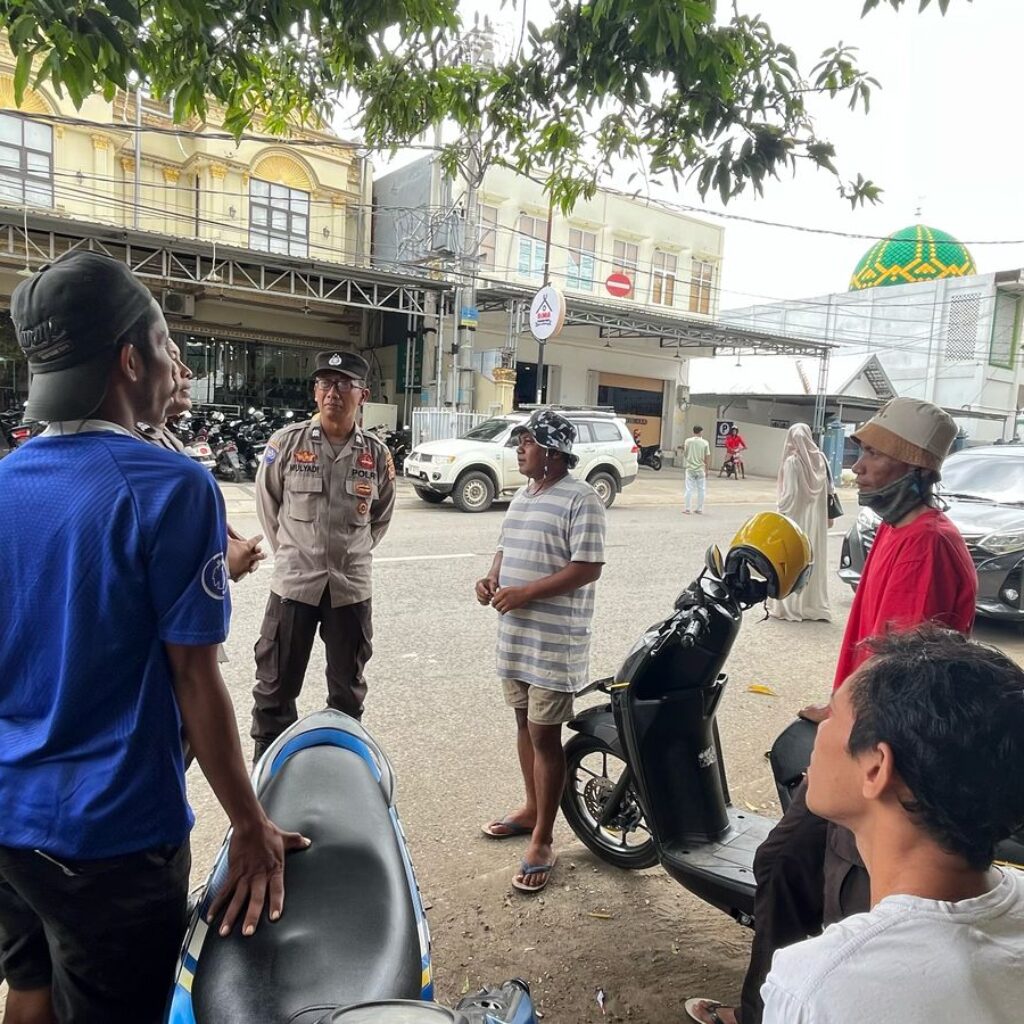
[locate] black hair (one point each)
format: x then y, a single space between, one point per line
952 711
698 430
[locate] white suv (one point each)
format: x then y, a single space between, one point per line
481 466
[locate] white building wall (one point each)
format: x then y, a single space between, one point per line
933 339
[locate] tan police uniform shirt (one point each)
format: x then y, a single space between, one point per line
323 511
162 437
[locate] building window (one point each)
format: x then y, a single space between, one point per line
663 283
701 276
278 218
1005 331
626 260
962 328
488 248
532 232
582 260
26 162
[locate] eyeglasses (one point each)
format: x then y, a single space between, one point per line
340 386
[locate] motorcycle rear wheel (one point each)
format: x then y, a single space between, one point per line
655 462
593 770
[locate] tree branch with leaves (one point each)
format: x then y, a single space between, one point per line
663 84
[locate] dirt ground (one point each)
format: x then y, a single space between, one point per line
637 936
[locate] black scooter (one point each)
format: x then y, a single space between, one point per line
647 779
650 455
352 945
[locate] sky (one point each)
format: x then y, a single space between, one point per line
942 136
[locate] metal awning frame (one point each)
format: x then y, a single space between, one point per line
30 240
672 332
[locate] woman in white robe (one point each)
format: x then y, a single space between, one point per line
803 496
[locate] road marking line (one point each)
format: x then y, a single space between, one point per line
425 558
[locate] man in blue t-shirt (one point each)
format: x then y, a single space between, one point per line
115 591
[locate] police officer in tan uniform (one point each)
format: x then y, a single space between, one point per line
325 492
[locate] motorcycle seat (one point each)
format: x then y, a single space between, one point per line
349 932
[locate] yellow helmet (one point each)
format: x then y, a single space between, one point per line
776 549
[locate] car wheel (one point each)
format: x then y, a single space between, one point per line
604 484
473 493
430 497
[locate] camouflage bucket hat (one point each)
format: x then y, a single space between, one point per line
551 431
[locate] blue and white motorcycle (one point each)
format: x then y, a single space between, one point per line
353 944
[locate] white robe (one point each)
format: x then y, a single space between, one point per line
811 514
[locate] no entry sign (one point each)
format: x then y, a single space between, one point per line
619 285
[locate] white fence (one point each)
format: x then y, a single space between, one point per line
442 424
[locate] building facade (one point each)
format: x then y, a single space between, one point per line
634 275
940 330
257 249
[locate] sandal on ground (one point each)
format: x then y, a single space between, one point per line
710 1007
511 829
527 870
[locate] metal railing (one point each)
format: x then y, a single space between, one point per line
443 424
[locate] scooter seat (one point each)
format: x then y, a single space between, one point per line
349 931
789 757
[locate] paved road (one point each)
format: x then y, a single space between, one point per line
435 705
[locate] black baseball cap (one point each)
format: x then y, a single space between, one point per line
69 317
348 363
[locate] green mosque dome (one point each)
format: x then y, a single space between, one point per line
917 253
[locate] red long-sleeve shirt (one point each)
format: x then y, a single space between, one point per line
921 572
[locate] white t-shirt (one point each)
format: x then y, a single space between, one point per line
909 960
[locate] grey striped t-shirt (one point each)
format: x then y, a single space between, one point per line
547 643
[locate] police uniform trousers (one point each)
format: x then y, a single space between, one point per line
282 656
808 875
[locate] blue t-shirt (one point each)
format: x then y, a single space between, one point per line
109 548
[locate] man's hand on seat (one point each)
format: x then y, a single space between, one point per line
255 875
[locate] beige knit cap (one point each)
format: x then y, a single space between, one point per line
911 431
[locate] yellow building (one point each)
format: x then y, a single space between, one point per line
258 250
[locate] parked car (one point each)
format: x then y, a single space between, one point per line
480 467
984 489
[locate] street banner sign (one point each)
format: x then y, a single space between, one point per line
547 313
619 285
469 317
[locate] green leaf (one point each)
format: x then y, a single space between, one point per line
22 70
126 10
106 28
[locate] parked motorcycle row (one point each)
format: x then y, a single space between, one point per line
230 448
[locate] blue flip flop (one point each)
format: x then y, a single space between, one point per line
534 869
514 829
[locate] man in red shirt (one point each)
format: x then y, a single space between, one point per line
918 570
734 444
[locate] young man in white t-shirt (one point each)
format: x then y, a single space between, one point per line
922 758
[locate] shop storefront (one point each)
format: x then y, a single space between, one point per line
639 400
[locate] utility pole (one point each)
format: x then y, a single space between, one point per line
547 281
480 43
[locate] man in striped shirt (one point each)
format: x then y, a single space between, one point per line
541 582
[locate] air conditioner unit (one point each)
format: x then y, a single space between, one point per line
178 304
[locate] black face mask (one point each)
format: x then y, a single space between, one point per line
892 502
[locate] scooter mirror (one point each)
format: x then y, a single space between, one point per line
714 561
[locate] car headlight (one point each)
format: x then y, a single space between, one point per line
443 460
868 520
1003 542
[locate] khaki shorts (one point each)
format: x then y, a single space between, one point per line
543 707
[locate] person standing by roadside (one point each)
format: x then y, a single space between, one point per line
243 556
541 582
325 492
115 601
919 570
696 465
803 496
